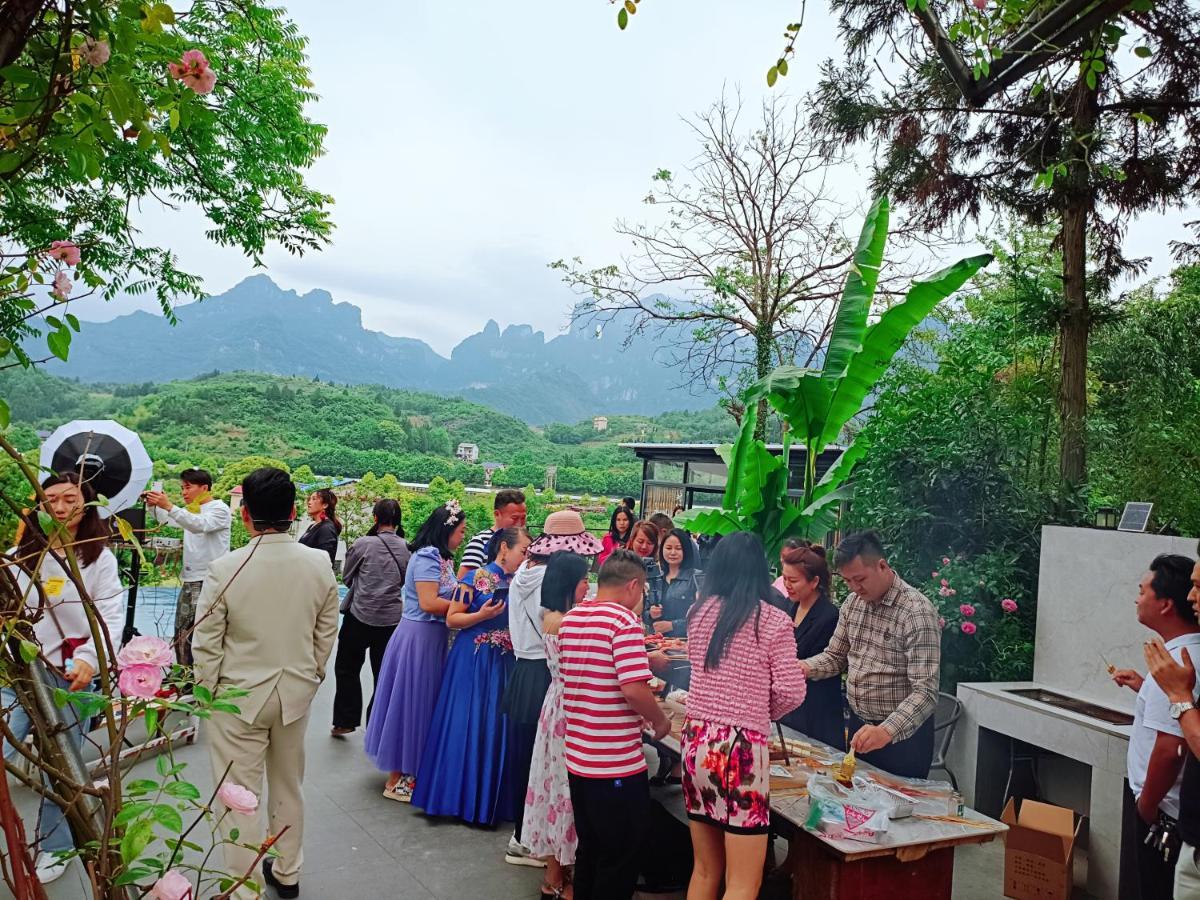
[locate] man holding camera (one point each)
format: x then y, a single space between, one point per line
206 523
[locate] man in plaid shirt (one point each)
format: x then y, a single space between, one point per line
888 642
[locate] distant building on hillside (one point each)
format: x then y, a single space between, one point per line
235 498
468 452
490 469
600 423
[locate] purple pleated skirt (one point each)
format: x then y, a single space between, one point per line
405 695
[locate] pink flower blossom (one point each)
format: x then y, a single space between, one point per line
194 71
980 5
95 52
945 560
237 798
146 650
1008 605
941 622
945 583
944 591
172 886
951 592
65 251
968 627
967 609
62 286
935 574
142 682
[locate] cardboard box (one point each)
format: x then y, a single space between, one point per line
1039 850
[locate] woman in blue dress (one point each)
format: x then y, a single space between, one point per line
463 765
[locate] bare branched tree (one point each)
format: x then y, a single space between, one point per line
743 271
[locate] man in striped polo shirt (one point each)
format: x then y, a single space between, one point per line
606 701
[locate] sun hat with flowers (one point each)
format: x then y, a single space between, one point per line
564 530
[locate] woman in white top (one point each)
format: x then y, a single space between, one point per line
61 626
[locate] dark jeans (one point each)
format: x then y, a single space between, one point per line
521 738
910 758
611 815
1155 876
354 641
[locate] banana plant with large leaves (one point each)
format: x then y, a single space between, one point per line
817 404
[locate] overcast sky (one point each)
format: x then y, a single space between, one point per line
471 143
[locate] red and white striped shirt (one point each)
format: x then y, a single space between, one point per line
601 648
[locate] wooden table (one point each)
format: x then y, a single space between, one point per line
914 860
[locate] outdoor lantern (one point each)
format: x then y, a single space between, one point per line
1106 517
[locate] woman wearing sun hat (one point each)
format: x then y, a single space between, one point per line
527 686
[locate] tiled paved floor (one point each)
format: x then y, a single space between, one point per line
359 845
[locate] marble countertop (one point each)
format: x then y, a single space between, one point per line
1000 690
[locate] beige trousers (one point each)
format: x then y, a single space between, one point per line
270 748
1187 874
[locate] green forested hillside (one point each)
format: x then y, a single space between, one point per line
333 429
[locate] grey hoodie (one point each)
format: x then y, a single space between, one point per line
525 611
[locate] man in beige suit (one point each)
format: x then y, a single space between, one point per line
268 616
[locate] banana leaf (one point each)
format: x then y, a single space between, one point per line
799 396
850 324
887 336
841 470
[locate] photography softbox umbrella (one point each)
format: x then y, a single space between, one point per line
108 456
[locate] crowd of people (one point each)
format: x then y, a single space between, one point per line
505 691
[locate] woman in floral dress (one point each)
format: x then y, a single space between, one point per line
549 825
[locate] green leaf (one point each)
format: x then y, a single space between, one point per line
622 18
1091 79
129 876
169 818
800 396
174 117
1142 52
5 414
152 723
9 161
772 76
5 346
136 838
29 650
182 790
887 336
162 765
130 810
203 694
839 473
630 7
855 306
61 697
782 66
59 343
72 320
141 786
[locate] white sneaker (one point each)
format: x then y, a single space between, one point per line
51 866
518 854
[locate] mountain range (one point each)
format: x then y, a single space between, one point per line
259 326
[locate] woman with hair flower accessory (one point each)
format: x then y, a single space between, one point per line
411 675
462 770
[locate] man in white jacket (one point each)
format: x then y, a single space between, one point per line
206 522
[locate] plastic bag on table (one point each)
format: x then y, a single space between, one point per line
857 813
929 798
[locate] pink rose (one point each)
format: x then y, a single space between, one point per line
944 591
945 583
980 5
202 83
945 560
65 251
62 286
1008 605
941 622
95 53
967 609
146 650
968 627
237 798
935 574
142 682
172 886
951 592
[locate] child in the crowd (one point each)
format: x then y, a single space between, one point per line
549 823
462 770
411 674
744 675
606 698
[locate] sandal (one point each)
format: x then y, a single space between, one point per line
401 791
